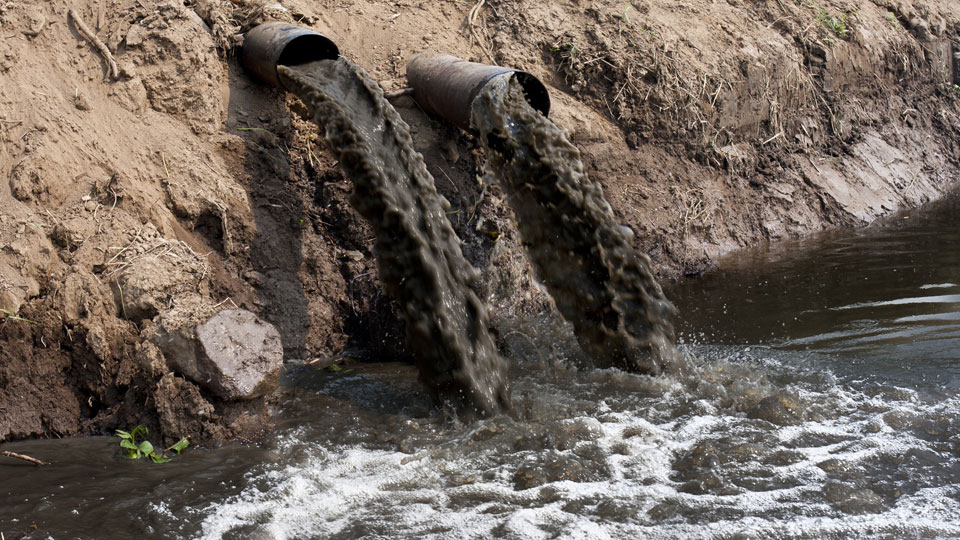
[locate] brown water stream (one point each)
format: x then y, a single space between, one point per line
600 284
418 253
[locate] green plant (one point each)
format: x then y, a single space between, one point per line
624 18
144 448
837 25
893 19
570 46
9 315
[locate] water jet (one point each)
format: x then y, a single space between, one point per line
600 283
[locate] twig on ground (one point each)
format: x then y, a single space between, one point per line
475 11
234 304
771 139
174 445
833 119
88 34
483 46
163 158
123 305
310 156
693 208
476 204
26 458
814 165
447 176
472 25
399 93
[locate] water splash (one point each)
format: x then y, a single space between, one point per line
609 454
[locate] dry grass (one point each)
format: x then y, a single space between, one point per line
175 251
692 209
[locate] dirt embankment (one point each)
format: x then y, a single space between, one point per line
137 204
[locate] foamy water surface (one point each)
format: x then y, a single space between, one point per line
757 448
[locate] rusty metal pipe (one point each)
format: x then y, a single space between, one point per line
277 43
446 86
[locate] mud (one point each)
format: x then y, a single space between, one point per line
418 253
583 255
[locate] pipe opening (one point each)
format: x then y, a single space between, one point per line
277 43
534 91
308 48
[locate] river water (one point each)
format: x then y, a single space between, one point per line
827 407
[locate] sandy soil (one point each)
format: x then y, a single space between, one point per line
139 203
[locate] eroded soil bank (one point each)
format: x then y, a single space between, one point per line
135 205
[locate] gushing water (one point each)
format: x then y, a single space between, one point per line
418 253
598 281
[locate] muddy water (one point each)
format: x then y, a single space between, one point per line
829 407
418 253
582 254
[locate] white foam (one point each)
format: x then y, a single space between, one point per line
355 491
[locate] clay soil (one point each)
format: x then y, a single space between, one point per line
149 200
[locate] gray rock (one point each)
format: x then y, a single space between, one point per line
234 355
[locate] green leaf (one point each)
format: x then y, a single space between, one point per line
159 458
181 444
13 317
146 447
141 428
128 444
122 433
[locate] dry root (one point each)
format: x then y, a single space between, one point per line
112 70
